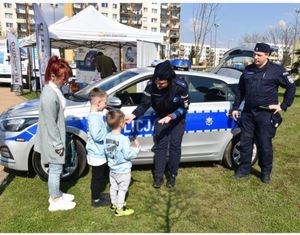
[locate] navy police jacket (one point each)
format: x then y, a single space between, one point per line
259 87
172 101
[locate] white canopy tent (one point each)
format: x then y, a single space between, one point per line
89 28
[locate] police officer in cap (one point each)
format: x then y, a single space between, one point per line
169 98
258 86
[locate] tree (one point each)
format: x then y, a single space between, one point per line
295 71
282 34
204 17
253 38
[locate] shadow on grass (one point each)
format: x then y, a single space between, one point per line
11 175
6 183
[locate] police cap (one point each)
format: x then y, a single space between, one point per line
263 47
164 71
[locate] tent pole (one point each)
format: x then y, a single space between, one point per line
120 63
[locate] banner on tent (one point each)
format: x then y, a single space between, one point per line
85 62
15 62
43 42
129 57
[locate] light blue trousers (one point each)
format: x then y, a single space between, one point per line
55 171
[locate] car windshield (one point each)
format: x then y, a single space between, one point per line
105 84
239 62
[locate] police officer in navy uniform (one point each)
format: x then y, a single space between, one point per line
258 86
169 98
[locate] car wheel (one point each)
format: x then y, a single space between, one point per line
232 156
75 161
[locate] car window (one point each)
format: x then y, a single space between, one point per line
239 62
106 84
203 89
131 95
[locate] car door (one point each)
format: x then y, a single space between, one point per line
208 126
142 128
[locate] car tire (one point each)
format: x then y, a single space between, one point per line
74 166
231 158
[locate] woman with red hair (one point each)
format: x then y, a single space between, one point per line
50 140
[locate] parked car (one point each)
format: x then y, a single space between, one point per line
181 64
210 133
234 61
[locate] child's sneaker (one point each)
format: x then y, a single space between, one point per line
61 205
123 212
114 207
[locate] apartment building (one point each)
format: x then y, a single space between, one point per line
210 56
14 17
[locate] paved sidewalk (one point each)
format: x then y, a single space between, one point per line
7 99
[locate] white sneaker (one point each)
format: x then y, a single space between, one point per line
61 205
66 197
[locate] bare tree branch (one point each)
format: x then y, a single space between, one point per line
204 16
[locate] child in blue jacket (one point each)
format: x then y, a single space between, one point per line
97 131
119 155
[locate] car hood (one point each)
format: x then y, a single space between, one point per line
31 108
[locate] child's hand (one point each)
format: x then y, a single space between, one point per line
137 143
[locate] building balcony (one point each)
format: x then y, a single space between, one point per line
164 6
20 11
175 27
77 5
174 35
20 20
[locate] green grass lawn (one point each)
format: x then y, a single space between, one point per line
205 198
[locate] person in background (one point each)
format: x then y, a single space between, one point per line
97 131
258 86
50 140
169 98
104 65
119 155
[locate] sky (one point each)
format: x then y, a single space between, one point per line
235 20
238 19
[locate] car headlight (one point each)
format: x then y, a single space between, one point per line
16 124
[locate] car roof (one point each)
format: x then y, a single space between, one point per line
150 70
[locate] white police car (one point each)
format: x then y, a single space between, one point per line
210 134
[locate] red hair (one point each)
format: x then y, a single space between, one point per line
58 67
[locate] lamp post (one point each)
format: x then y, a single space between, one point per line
216 28
295 36
54 5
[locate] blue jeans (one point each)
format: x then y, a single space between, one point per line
55 171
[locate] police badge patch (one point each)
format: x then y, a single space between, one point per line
290 79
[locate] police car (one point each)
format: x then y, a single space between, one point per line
210 134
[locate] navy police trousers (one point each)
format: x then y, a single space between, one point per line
167 137
256 125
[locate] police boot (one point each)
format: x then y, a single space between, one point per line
157 182
171 181
266 179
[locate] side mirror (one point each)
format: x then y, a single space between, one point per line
113 103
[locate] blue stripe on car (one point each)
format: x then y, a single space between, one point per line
196 122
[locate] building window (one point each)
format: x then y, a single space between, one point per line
9 25
105 5
145 10
145 28
153 29
115 6
115 16
145 19
7 5
153 20
8 15
105 14
154 11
